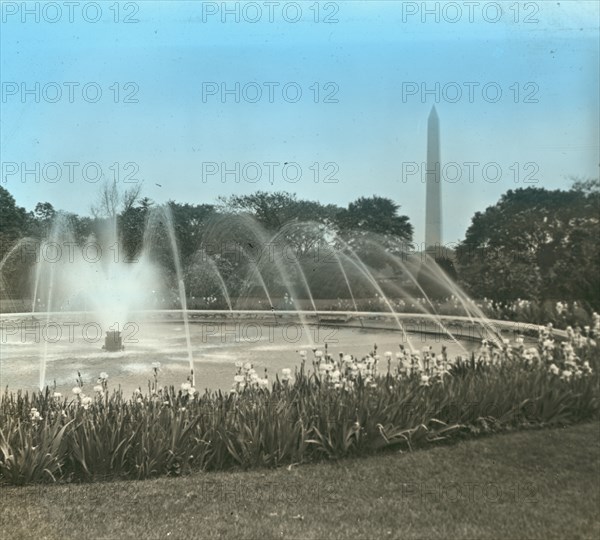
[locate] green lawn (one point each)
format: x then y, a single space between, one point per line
528 484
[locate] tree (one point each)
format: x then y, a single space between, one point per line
132 225
112 202
13 218
41 220
44 211
274 210
14 225
189 221
586 185
376 215
535 244
372 226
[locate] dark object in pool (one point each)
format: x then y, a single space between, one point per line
113 341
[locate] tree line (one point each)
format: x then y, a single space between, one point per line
534 243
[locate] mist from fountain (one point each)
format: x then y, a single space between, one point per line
170 227
347 281
243 231
355 260
411 275
276 240
17 249
207 260
97 278
258 273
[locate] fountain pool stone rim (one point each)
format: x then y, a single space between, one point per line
349 319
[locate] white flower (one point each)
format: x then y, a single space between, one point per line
57 395
247 366
86 402
566 374
76 390
156 365
104 375
554 369
239 364
192 391
139 400
388 354
185 386
98 388
238 378
264 383
347 358
319 354
286 372
424 380
303 354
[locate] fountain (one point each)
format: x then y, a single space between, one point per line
113 341
139 302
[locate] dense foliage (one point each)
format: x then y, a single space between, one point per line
535 244
234 234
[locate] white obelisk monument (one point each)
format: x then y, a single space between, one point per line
433 180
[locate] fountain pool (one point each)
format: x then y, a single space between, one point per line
270 341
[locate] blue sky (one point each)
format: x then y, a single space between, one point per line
370 54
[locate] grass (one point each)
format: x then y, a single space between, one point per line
529 484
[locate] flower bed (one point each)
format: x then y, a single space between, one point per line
340 407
